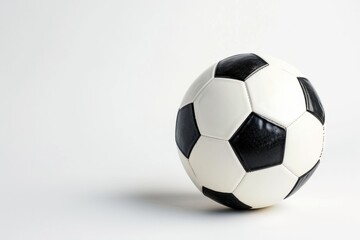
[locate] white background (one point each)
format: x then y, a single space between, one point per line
89 92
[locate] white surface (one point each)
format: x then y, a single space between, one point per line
89 92
215 164
286 105
271 60
221 107
304 142
186 164
266 187
199 83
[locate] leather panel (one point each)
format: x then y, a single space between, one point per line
259 143
313 103
239 66
227 199
186 130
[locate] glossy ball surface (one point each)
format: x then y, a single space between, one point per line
250 131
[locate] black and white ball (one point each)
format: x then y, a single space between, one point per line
250 131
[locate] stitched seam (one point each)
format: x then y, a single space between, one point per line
208 82
191 168
297 119
237 185
290 171
323 143
220 139
271 121
202 89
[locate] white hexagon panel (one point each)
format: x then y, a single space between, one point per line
304 144
265 187
216 165
276 95
221 107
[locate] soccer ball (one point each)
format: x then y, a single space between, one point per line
250 131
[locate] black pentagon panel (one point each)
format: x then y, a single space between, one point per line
303 179
313 103
227 199
258 143
239 66
186 130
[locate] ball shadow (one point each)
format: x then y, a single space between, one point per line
184 202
